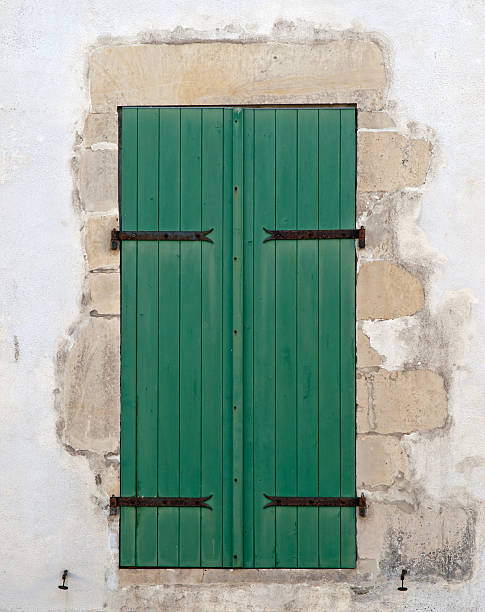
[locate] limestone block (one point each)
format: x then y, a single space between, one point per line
333 71
100 127
408 401
433 541
367 357
362 401
98 180
110 480
153 576
362 395
387 291
236 597
380 459
388 161
105 293
98 242
374 121
228 577
92 388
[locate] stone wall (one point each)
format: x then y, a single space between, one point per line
405 527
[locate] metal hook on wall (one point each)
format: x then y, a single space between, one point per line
403 575
63 585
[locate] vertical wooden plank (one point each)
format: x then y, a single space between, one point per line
190 336
147 336
237 321
307 336
212 404
168 335
264 333
286 308
329 337
347 354
248 484
227 343
128 220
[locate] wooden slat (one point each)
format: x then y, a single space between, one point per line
264 334
190 337
168 335
147 336
227 418
285 329
248 337
329 337
347 322
237 342
307 336
212 305
129 123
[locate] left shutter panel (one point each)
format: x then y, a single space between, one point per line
176 336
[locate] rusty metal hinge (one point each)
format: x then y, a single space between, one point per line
359 502
159 502
117 236
319 234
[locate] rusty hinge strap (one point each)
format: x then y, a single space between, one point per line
359 502
117 236
319 234
160 502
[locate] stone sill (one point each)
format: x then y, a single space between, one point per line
196 576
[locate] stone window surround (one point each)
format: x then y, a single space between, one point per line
344 70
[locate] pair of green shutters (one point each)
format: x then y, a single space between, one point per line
238 357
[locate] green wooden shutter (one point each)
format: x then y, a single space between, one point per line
238 357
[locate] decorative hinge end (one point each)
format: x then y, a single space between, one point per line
158 502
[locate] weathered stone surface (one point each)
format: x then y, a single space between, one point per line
91 404
227 73
110 480
362 401
374 121
98 242
105 293
186 576
272 576
433 541
367 357
362 418
153 576
408 401
388 161
98 180
236 597
387 291
380 459
100 127
362 395
379 219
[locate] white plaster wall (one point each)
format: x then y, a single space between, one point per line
46 518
